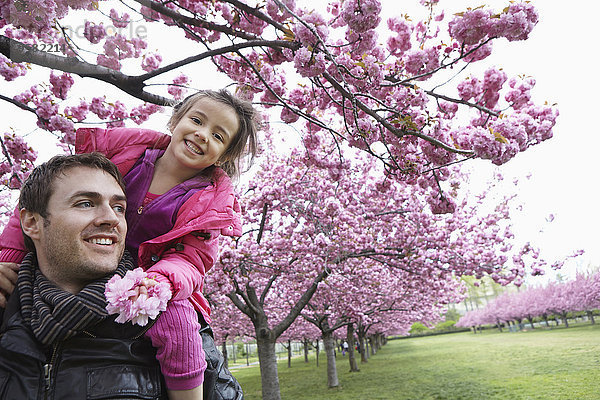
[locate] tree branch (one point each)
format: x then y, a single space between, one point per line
177 17
398 132
297 308
216 52
19 52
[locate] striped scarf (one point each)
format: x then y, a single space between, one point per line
54 314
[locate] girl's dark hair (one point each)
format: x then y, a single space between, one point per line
243 143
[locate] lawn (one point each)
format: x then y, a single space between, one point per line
540 364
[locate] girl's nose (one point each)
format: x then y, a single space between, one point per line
201 134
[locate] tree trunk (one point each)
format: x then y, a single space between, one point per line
317 350
305 341
224 351
564 318
499 325
361 346
289 349
267 358
531 322
590 315
546 320
234 350
247 353
372 345
332 376
350 340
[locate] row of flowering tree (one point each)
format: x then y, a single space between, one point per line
338 245
553 300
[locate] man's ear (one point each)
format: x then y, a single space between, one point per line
31 223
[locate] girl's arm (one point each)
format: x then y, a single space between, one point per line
178 343
12 252
191 394
185 264
12 245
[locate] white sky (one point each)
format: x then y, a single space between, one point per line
564 170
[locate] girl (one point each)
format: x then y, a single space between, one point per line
179 200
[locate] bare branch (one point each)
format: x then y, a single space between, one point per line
19 52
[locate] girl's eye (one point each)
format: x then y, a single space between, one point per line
218 136
196 120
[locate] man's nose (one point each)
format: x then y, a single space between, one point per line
107 215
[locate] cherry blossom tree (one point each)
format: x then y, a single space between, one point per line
363 243
395 88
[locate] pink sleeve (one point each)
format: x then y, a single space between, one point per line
186 264
175 335
12 245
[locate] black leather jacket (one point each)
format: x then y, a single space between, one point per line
107 362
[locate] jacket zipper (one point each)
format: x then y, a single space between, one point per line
48 371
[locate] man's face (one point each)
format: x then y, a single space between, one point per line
83 237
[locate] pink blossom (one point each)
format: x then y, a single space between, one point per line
119 21
472 26
401 42
136 297
62 124
78 112
178 89
60 84
309 63
98 107
142 112
108 62
518 21
305 34
279 13
420 61
151 62
93 32
361 15
10 70
46 108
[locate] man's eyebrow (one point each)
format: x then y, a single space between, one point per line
95 195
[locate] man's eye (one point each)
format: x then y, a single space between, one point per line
84 204
119 209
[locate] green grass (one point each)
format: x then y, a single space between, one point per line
542 364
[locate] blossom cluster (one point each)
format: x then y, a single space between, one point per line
18 163
475 25
136 297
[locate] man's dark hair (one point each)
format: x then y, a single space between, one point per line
39 186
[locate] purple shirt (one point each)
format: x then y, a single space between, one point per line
158 217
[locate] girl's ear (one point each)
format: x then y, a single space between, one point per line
31 223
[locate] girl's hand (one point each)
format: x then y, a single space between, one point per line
8 280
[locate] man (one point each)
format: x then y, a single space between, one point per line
56 338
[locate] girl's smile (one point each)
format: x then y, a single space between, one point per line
200 137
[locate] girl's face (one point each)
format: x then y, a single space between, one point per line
202 135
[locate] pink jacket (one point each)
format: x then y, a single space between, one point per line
213 210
